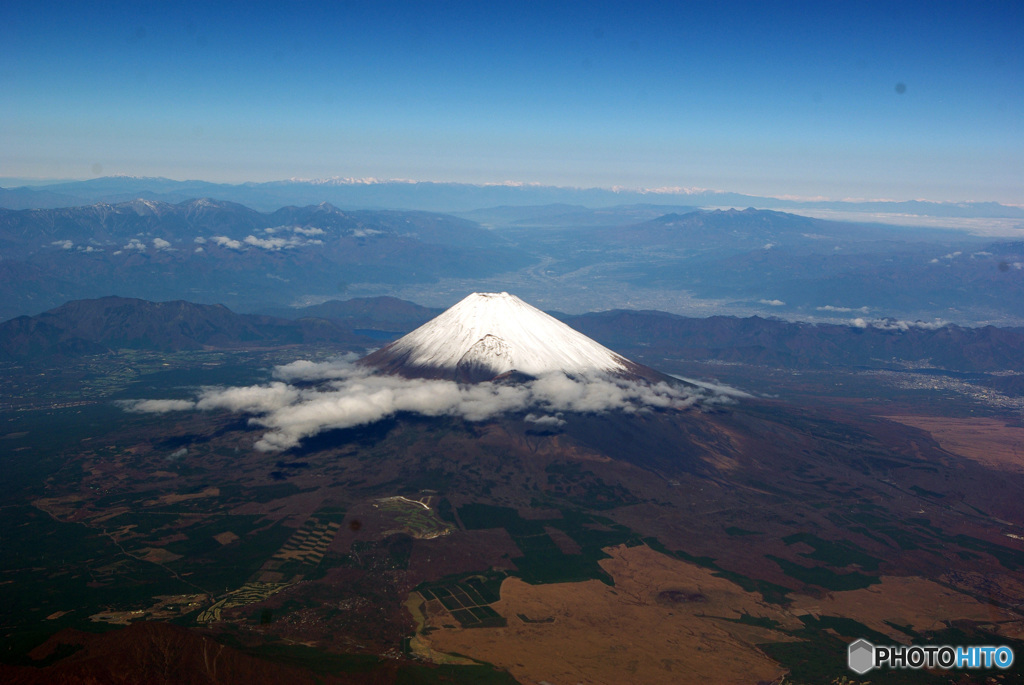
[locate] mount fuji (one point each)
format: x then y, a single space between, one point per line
494 336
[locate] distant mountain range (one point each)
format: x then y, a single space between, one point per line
195 222
567 257
217 251
97 326
794 345
785 264
443 197
570 216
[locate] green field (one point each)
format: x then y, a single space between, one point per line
839 554
416 519
468 599
542 561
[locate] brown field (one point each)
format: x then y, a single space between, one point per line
989 442
1006 589
61 508
921 604
225 538
662 622
175 498
156 555
667 621
163 474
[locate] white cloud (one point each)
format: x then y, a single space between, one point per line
156 406
63 244
716 388
199 239
347 395
897 324
266 243
253 399
225 241
830 308
135 244
545 420
304 370
773 303
272 244
300 230
275 244
161 244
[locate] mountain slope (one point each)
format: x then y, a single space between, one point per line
382 313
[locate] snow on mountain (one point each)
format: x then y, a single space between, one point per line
489 355
487 335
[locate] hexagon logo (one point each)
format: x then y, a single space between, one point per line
861 656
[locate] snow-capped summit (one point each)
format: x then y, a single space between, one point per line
488 335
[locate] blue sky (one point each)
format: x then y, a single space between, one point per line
765 98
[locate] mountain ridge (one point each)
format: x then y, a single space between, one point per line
98 326
454 196
80 327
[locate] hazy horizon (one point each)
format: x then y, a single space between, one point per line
672 196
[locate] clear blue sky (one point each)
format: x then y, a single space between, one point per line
760 97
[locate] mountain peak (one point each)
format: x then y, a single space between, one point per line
491 335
